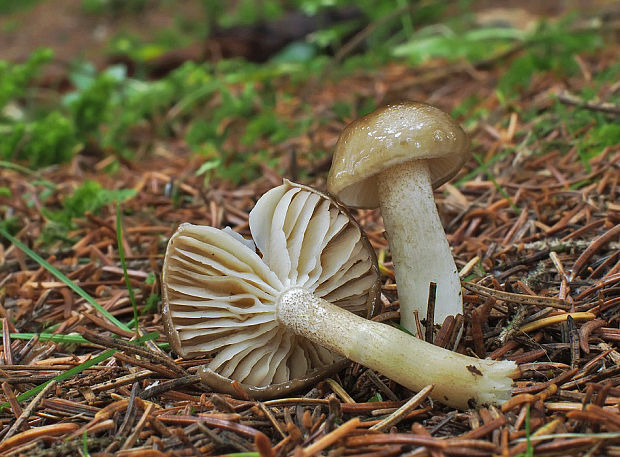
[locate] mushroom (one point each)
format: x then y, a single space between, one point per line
219 296
277 322
393 158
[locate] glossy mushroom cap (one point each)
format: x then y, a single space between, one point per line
219 294
390 136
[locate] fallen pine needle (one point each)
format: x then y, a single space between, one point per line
546 321
34 433
338 390
21 420
402 412
469 266
331 437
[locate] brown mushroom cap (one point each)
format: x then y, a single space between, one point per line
219 295
389 136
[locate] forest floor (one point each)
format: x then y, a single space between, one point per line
533 221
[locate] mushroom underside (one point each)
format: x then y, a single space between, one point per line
220 294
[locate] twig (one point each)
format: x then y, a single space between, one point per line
545 321
479 316
552 302
417 440
6 342
380 385
558 380
130 412
585 330
486 428
11 398
142 363
573 340
32 434
272 419
445 332
131 439
468 267
127 379
339 390
430 312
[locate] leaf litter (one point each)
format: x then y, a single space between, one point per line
533 227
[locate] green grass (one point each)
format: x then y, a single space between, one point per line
55 338
61 276
530 449
121 254
550 48
89 197
78 369
85 444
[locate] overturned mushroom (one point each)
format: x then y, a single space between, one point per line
393 158
220 296
297 309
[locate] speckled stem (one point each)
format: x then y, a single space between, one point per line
460 381
420 251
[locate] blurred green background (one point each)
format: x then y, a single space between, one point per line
244 83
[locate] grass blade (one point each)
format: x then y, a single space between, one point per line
77 369
121 254
55 338
53 270
62 376
64 339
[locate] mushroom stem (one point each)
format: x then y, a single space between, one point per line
460 381
420 251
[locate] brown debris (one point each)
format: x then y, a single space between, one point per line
541 287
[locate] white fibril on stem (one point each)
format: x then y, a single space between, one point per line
420 250
460 381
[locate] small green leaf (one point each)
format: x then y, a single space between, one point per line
207 166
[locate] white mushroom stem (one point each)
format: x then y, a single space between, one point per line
420 251
459 380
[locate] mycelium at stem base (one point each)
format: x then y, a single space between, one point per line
460 381
418 244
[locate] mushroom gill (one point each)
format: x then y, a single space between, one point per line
220 295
